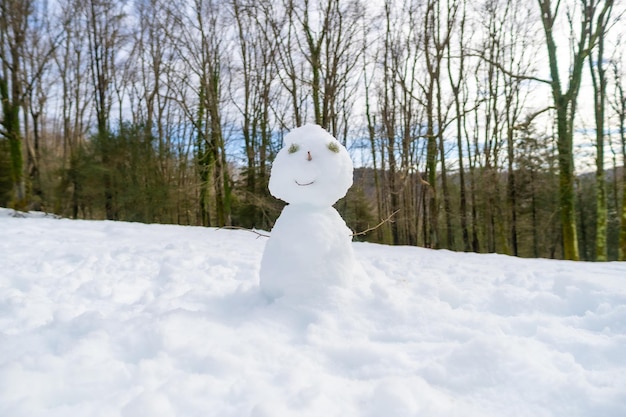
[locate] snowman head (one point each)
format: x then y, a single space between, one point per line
312 168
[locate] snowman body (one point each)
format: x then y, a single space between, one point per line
310 247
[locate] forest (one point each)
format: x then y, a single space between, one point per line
486 126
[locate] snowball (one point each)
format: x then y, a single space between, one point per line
312 168
309 251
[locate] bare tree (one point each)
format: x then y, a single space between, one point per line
509 55
104 24
599 80
458 83
41 43
437 31
252 91
396 108
199 32
369 59
565 98
14 19
150 96
618 103
325 34
72 67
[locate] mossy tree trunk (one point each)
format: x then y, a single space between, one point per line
14 16
599 80
565 104
619 105
204 161
11 130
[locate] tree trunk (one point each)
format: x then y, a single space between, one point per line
620 108
565 104
567 194
459 118
598 77
11 124
14 20
204 160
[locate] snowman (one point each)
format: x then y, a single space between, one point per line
310 248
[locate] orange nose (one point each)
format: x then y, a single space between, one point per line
308 156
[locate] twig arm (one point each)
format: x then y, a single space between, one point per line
258 234
369 229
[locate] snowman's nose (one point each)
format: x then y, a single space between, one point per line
308 156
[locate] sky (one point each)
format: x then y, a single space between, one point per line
102 318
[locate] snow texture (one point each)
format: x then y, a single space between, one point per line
310 248
123 319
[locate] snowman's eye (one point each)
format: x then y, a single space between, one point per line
293 148
333 147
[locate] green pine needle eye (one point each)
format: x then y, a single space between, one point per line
333 147
293 148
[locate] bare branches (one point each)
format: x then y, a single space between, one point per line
258 234
507 72
369 229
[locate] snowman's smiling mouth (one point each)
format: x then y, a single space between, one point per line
304 184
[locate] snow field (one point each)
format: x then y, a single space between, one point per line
122 319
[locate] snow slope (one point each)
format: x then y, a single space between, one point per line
122 319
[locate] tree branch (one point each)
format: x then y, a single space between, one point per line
388 219
258 234
506 72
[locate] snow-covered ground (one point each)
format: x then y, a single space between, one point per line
120 319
